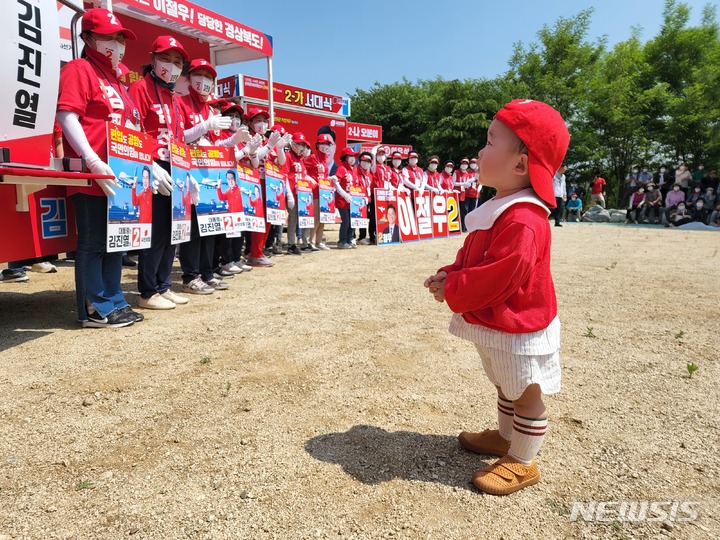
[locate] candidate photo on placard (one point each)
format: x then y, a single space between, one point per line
182 202
127 206
208 201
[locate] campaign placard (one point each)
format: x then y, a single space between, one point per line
305 206
326 198
406 217
358 208
439 215
210 165
423 214
275 194
388 230
453 214
180 166
129 219
253 205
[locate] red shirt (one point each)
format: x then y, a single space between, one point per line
597 186
365 179
501 277
446 181
295 169
90 88
258 206
198 110
433 179
317 168
187 202
342 173
233 197
144 201
382 177
162 113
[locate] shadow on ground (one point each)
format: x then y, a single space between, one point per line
28 316
373 455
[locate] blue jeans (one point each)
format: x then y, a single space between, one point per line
97 272
346 233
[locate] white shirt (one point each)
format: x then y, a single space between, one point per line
559 185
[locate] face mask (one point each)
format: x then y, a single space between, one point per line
681 207
380 158
167 71
644 170
351 160
676 188
473 166
640 190
662 169
463 167
697 190
635 171
396 163
701 167
412 161
260 127
202 85
650 189
113 50
432 167
324 148
365 165
699 206
448 170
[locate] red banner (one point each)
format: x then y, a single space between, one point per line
364 132
256 88
423 214
406 218
439 215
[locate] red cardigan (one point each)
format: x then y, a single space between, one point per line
501 277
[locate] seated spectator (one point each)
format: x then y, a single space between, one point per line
698 212
635 206
694 196
674 197
709 198
653 204
574 207
679 215
715 216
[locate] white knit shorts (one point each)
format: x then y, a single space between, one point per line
513 373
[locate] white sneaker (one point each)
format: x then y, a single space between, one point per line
197 286
242 266
156 302
233 268
353 243
321 246
364 242
44 268
218 284
175 298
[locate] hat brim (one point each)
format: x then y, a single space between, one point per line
542 182
107 30
182 51
208 67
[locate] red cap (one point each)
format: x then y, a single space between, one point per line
366 158
544 133
473 160
381 150
348 151
434 160
449 162
396 155
412 153
201 63
255 111
464 160
280 129
324 138
298 137
168 43
101 21
228 106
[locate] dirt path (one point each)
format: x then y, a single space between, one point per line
322 399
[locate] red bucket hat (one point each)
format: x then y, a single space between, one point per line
544 133
101 21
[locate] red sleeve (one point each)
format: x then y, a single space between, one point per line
222 196
135 198
138 92
504 268
75 88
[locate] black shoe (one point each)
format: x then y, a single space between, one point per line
558 224
128 310
127 261
116 319
294 250
306 248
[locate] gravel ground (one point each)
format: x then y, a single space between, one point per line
322 399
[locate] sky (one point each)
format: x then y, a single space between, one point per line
338 47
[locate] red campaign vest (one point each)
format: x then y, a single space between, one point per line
295 169
446 181
364 180
197 111
395 177
415 173
381 177
472 192
434 179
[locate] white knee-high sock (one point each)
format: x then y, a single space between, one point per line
527 438
506 411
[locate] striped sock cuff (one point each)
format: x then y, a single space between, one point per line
530 426
505 406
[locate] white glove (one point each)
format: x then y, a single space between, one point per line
164 180
194 191
98 166
242 135
217 122
273 139
348 198
284 141
254 143
290 200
